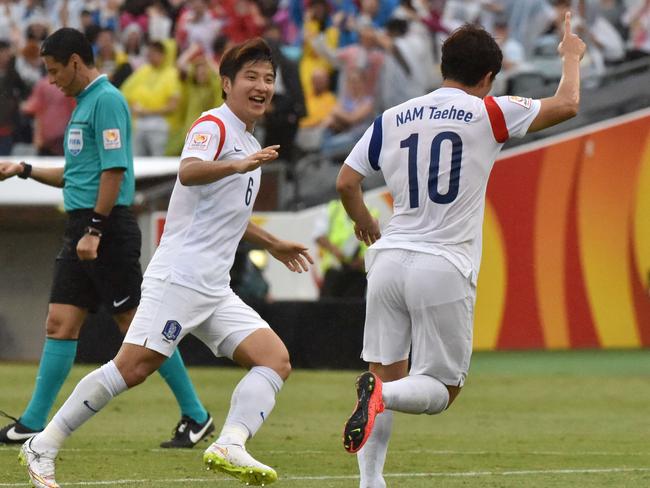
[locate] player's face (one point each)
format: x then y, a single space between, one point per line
250 93
63 76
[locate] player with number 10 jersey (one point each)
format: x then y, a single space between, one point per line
449 141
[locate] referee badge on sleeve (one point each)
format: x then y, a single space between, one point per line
112 139
199 141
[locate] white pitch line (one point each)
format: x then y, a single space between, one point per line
465 474
403 451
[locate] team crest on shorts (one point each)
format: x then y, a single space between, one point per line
75 141
171 330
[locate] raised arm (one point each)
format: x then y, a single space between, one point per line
564 104
47 176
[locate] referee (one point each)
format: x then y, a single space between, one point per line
99 261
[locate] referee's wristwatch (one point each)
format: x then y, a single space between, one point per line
91 231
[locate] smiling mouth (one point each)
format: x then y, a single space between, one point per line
258 99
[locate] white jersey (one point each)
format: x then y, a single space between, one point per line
206 222
436 153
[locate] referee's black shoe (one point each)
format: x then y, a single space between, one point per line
188 433
15 433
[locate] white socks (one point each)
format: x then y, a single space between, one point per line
372 455
412 394
416 394
250 405
91 394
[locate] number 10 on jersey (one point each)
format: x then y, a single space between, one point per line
411 143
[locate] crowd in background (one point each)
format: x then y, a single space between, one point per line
339 61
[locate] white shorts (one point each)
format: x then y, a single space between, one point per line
420 303
167 312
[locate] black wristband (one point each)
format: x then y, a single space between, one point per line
98 221
27 171
92 231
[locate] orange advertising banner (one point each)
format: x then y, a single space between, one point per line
566 244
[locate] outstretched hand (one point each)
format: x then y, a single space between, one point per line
571 44
294 255
257 159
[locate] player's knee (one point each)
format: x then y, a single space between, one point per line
136 375
57 327
282 366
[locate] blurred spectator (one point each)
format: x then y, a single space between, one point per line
110 59
244 20
133 42
28 62
366 56
320 102
160 25
287 106
135 12
341 254
12 91
514 59
403 66
317 28
637 17
350 117
153 92
51 110
197 24
200 91
528 19
10 26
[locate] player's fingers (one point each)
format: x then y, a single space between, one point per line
567 24
307 256
302 263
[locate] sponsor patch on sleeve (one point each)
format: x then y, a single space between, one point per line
524 102
199 141
112 139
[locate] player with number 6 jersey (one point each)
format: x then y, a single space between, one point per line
435 153
186 287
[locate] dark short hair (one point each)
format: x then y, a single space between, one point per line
65 42
236 57
4 44
157 45
468 54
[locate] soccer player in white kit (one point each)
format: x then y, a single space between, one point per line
187 284
436 153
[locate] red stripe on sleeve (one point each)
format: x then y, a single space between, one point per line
222 130
497 120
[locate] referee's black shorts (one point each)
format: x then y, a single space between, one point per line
114 278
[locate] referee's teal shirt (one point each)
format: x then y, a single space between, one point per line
98 137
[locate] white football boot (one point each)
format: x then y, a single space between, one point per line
40 466
235 461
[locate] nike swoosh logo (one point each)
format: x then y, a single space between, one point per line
196 437
88 405
117 303
236 149
17 436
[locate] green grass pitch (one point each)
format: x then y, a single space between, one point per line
533 419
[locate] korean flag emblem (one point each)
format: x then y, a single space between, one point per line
171 330
75 141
